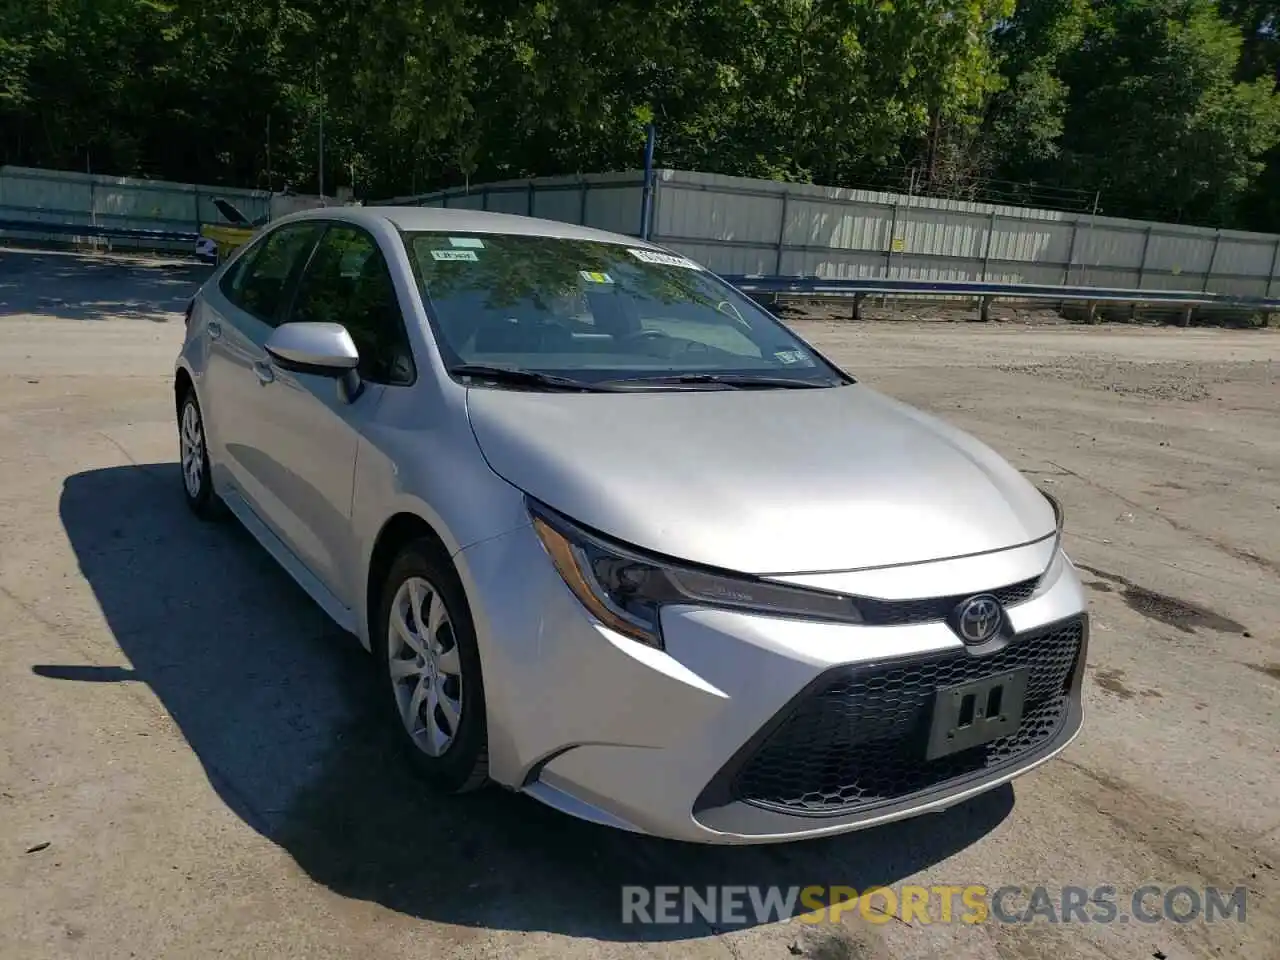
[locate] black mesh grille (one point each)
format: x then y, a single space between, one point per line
860 739
894 612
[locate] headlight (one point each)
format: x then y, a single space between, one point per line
626 590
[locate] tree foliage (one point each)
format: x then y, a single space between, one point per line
1163 108
1140 100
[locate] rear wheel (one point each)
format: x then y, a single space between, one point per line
427 650
197 480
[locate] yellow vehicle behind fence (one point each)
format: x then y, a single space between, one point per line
226 238
220 240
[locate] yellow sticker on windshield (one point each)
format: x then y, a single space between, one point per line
592 276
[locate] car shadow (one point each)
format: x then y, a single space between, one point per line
74 286
284 712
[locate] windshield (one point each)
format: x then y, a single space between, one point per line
599 312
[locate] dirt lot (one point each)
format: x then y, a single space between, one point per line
189 765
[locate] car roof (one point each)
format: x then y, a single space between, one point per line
463 221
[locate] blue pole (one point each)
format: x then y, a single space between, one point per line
647 199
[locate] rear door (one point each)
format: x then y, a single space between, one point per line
254 294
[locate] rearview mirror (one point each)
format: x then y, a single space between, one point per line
729 310
325 349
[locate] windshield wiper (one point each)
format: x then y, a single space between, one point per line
531 378
737 381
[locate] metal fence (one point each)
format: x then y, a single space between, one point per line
120 206
739 226
607 201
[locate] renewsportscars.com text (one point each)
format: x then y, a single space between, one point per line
960 903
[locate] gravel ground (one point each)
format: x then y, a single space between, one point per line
190 765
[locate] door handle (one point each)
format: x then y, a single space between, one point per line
264 371
215 329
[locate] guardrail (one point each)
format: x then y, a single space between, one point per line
99 231
986 293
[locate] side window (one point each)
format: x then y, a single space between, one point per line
233 277
348 282
261 283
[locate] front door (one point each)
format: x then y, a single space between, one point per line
247 305
309 428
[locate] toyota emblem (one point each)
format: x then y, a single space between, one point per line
978 619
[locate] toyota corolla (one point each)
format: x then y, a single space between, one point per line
619 539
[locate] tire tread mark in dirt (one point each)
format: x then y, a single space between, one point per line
1182 615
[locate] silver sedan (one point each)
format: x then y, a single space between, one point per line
617 538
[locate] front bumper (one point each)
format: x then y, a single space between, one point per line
748 728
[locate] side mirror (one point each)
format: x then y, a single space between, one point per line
322 349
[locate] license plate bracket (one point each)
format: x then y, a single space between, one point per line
969 714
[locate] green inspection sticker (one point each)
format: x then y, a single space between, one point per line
454 255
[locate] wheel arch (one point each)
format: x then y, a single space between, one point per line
182 383
397 532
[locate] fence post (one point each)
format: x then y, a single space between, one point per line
1275 258
782 233
529 200
1208 274
484 197
655 206
986 250
1142 267
582 202
1071 254
857 305
93 211
646 188
893 235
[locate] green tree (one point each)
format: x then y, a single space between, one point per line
1166 106
1156 118
1026 118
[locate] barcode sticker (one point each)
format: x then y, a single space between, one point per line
664 259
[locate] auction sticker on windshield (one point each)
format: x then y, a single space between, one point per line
454 255
791 356
665 259
593 276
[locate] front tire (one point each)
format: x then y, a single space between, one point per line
197 478
430 664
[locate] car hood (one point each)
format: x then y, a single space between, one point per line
768 481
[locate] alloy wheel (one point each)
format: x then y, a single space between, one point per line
191 437
424 665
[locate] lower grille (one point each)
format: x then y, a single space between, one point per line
859 738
